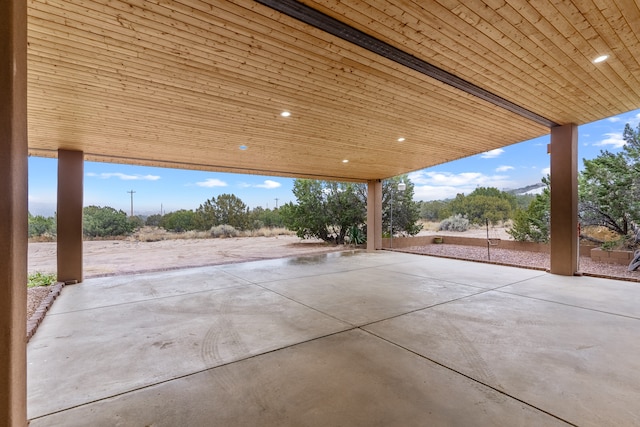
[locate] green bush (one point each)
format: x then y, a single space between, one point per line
484 203
105 221
455 223
153 220
356 235
533 224
41 226
40 279
179 221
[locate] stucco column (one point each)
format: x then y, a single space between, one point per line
13 212
564 200
70 192
374 215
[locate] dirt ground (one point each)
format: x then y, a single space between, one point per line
109 257
112 257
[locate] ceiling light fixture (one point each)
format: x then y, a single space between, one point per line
345 161
600 59
401 139
243 147
285 114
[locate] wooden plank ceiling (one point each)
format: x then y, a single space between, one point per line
201 84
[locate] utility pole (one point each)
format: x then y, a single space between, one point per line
277 203
131 192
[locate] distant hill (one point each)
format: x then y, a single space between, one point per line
529 189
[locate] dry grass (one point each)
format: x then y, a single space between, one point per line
268 232
600 233
156 234
42 238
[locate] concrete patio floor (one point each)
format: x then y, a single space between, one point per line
350 339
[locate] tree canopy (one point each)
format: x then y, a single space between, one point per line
400 206
105 221
226 209
533 223
484 203
609 187
331 211
325 209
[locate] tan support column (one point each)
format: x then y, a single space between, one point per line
564 200
13 212
70 191
374 215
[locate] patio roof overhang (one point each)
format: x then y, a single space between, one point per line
201 84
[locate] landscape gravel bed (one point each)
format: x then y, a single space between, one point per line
526 259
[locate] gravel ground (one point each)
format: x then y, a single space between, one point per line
34 296
523 259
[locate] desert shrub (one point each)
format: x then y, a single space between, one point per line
41 226
105 221
533 223
223 230
153 220
225 209
268 232
181 220
356 235
40 279
136 222
484 203
156 234
455 223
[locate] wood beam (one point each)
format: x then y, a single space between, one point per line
324 22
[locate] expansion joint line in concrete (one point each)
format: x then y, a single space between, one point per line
190 374
595 310
472 379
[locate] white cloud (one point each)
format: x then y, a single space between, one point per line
614 119
545 171
504 168
614 139
269 184
492 154
211 182
444 185
124 176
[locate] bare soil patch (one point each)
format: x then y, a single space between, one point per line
114 257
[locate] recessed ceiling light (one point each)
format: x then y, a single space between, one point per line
345 161
400 139
285 114
600 59
243 147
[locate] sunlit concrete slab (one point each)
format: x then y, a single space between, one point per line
367 295
578 364
341 339
101 352
611 296
486 276
349 379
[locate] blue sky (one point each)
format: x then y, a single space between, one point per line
171 189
